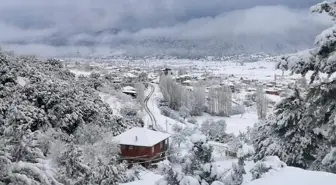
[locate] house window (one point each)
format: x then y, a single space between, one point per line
130 147
122 146
161 144
153 149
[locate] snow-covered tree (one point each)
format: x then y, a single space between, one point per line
71 165
109 174
199 154
22 160
140 89
196 101
89 134
235 176
330 161
261 103
171 91
209 174
50 100
172 177
268 164
315 130
220 100
302 82
184 112
284 134
214 130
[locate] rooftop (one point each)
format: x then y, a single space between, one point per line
138 136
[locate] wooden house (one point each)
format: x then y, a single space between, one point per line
143 145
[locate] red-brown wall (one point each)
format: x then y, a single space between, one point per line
141 151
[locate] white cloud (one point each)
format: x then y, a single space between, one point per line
78 23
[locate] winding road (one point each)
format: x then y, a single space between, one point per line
150 114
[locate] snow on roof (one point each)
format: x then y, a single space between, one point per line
137 136
166 69
128 88
130 75
229 83
187 81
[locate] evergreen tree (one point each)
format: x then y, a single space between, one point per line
209 174
113 173
71 166
236 175
285 134
22 155
172 177
303 130
199 154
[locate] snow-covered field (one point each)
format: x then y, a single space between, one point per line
235 123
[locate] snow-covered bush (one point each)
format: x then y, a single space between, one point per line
172 177
245 151
199 154
306 131
130 115
214 130
235 176
71 165
267 165
209 174
237 109
89 134
166 111
330 160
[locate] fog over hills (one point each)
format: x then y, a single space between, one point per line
151 27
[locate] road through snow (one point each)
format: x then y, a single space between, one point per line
150 114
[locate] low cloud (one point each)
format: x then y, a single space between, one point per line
87 27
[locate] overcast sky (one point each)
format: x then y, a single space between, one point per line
45 24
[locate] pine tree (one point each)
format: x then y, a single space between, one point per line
286 134
22 154
305 136
199 154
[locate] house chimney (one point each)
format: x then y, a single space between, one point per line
136 138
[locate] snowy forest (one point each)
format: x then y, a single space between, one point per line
56 129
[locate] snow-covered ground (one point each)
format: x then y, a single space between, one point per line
235 123
281 176
296 176
147 178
